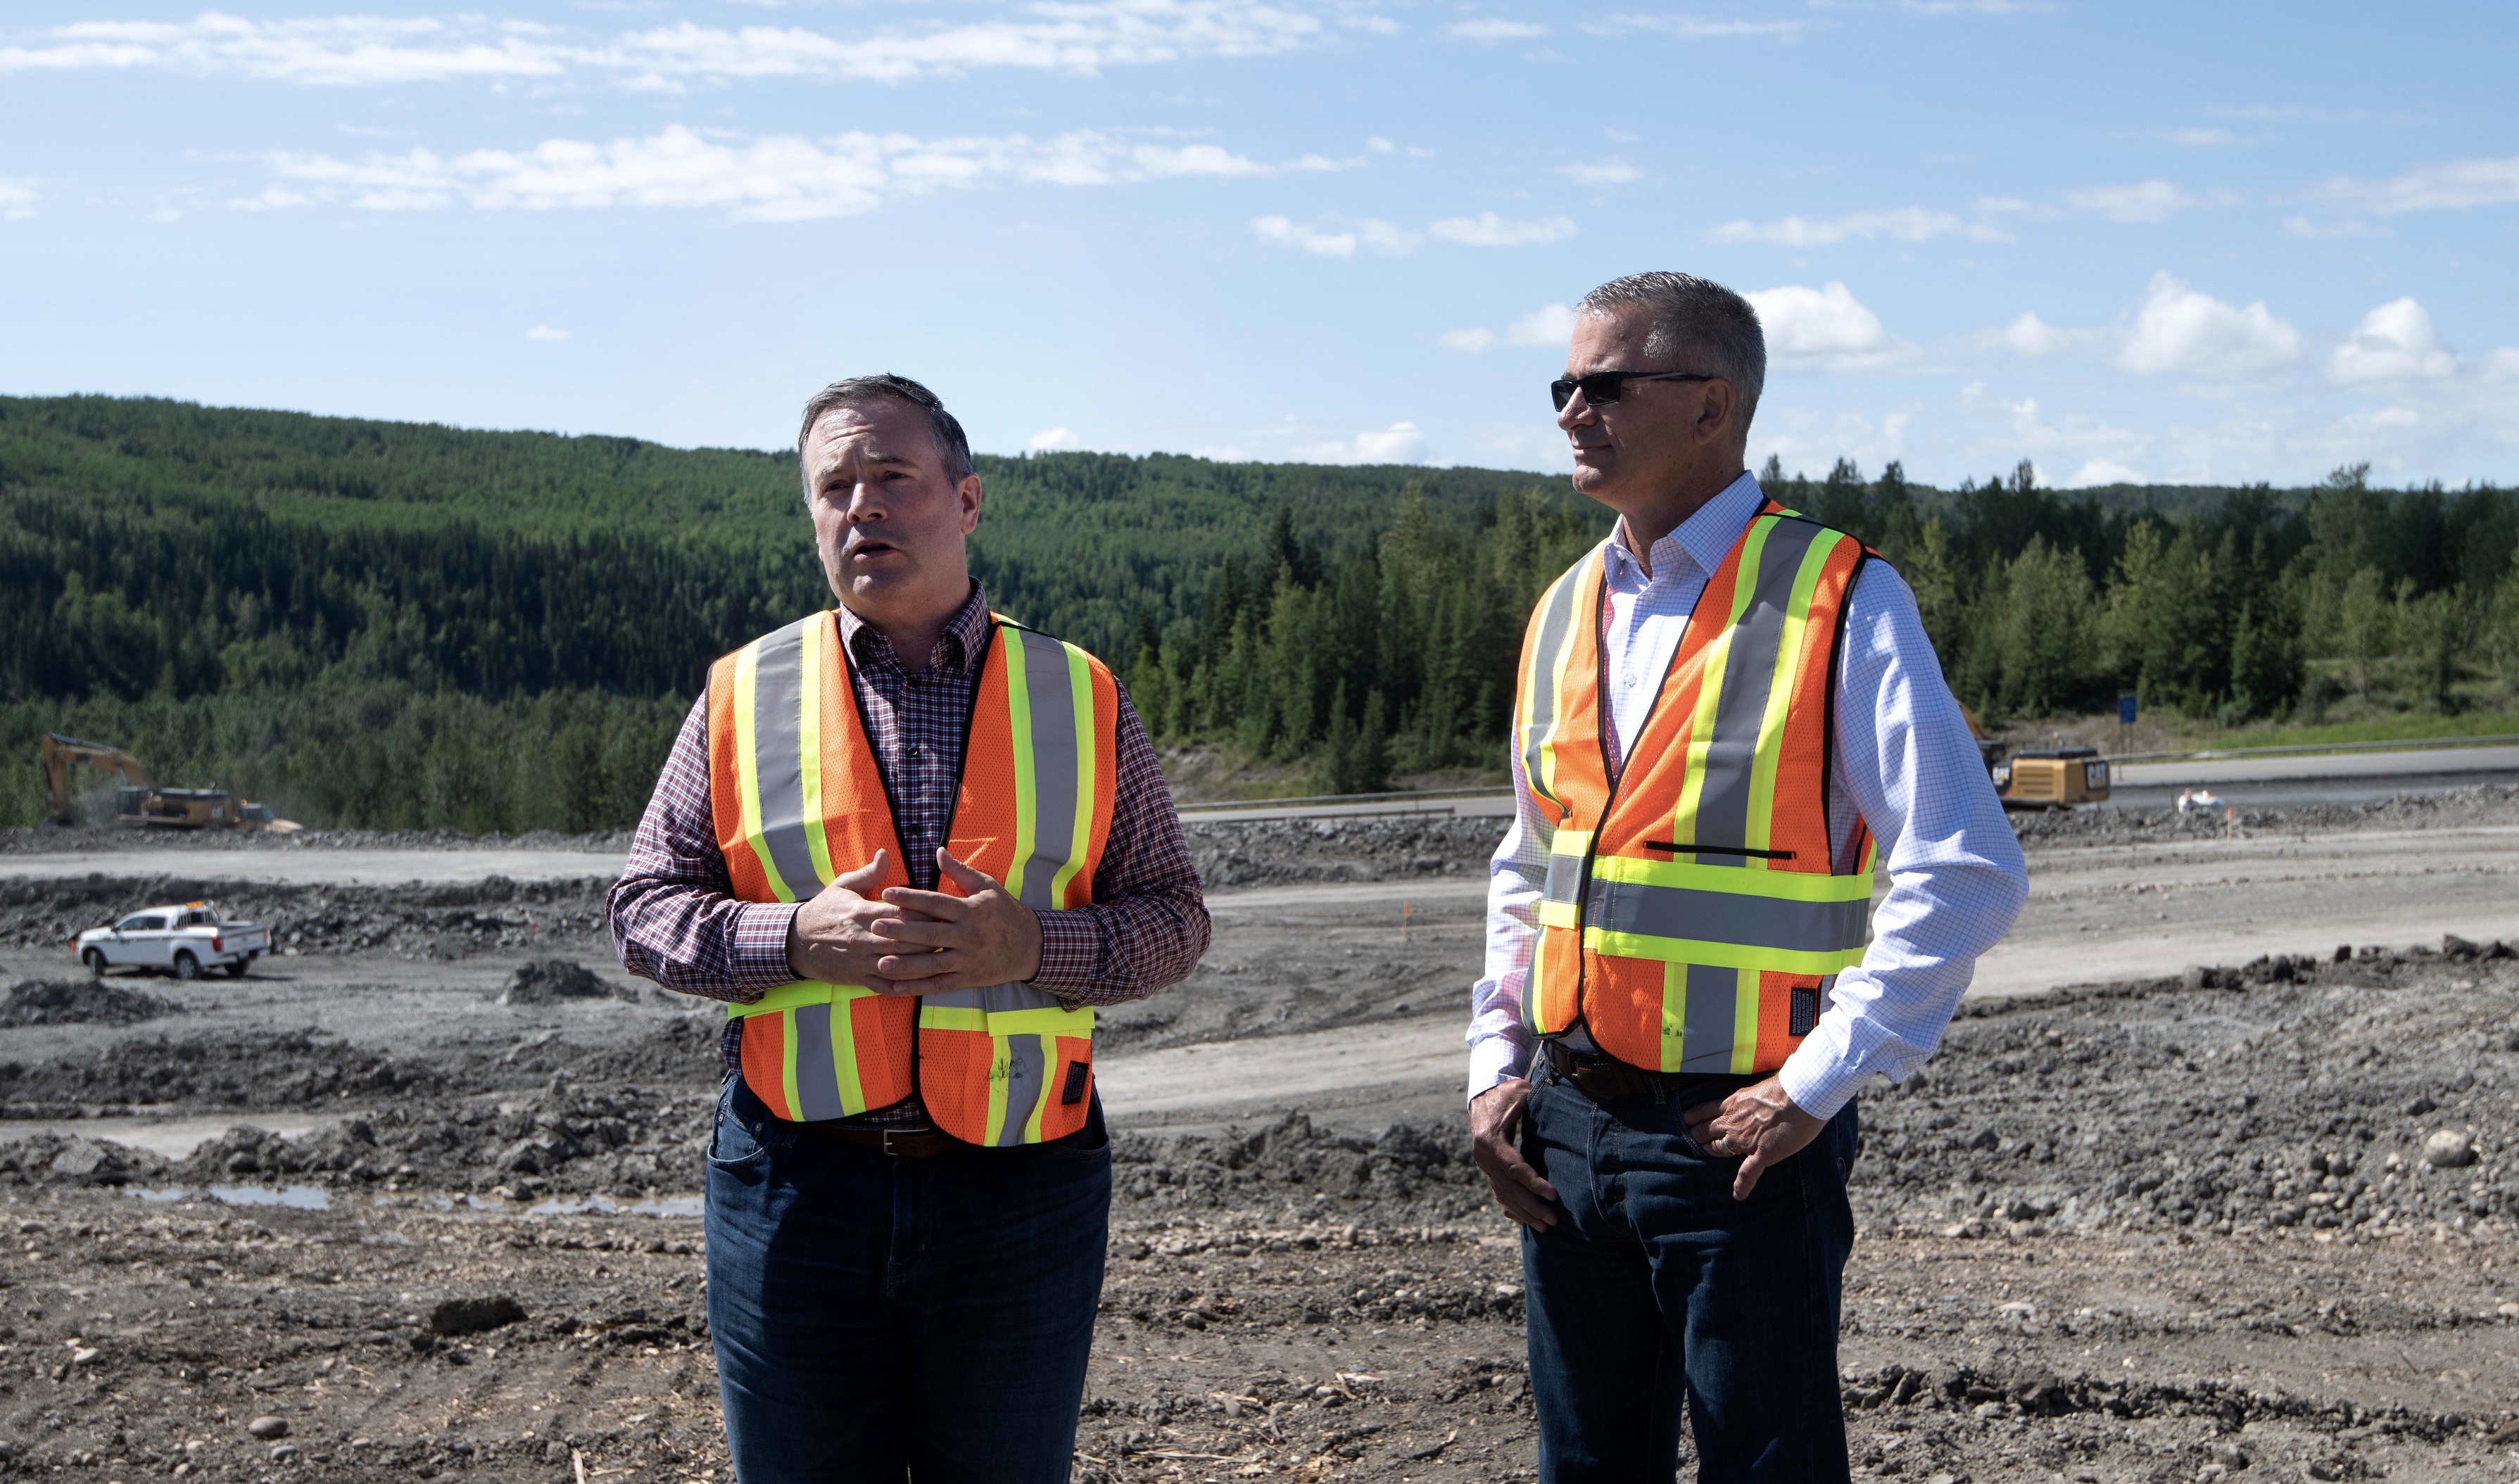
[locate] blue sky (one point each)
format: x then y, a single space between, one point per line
2172 243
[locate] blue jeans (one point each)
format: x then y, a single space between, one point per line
1656 1285
878 1317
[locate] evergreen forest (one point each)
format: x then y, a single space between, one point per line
390 626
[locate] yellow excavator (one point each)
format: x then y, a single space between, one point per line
2044 779
137 797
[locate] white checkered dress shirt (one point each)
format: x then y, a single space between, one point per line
1904 759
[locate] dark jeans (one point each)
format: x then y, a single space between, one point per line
877 1316
1655 1285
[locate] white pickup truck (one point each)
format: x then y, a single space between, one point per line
182 939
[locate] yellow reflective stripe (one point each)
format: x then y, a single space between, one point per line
1046 1020
1782 886
1674 1014
1744 1023
816 636
1080 683
1691 951
1570 843
1709 684
1011 648
1780 699
747 765
1557 914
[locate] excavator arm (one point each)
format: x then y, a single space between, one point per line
61 755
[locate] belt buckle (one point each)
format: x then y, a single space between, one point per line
887 1142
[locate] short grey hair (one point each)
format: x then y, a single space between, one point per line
952 449
1696 321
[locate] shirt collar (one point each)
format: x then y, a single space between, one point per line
1703 538
965 634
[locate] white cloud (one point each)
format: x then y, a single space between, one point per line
1907 224
1824 328
1337 238
1077 37
2151 200
1054 440
2179 329
2396 343
1381 145
2030 335
765 178
2433 188
2301 226
1692 28
1467 340
1975 6
17 198
1399 442
2203 139
1488 230
1285 231
2502 365
1613 171
2101 471
332 51
547 333
1491 28
1550 324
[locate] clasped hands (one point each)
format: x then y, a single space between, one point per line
901 941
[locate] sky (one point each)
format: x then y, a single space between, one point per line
2127 242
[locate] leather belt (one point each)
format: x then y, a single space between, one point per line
908 1143
1603 1078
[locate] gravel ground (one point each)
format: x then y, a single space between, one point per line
2138 1232
2251 1222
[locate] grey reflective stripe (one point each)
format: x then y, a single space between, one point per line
777 739
995 999
1727 917
1541 684
817 1083
1707 1023
1051 695
1565 877
1749 679
1024 1077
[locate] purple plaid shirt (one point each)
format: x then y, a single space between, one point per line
676 920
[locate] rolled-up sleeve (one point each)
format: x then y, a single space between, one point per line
1908 764
674 916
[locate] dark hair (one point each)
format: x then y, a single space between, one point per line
1693 319
953 450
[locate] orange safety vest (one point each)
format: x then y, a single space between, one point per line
798 797
1694 917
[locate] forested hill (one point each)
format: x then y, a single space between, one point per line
400 624
461 592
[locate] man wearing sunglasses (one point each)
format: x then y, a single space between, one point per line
1722 713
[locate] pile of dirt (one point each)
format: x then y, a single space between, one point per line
1404 1172
449 921
49 838
79 1002
2479 803
288 1070
1251 853
2370 1091
548 981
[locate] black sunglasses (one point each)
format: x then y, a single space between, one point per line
1600 388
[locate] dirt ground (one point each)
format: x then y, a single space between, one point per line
2177 1228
